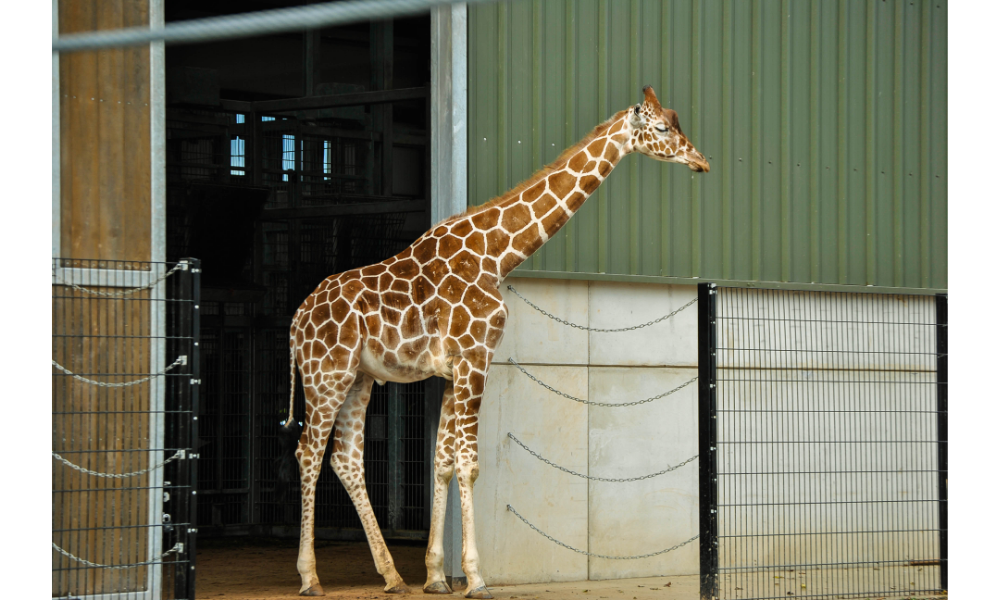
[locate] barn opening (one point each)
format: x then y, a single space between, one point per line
292 157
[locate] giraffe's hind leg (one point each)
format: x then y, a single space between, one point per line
444 469
325 393
348 462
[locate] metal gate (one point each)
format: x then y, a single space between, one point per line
824 444
124 399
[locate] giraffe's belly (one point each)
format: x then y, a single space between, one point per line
400 372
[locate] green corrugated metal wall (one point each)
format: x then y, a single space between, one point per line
825 123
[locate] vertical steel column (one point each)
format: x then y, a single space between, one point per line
381 53
942 427
707 475
181 436
394 456
192 537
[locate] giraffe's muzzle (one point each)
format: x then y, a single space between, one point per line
698 163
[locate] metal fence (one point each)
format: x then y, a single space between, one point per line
124 391
824 444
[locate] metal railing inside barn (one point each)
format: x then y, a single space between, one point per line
824 427
124 390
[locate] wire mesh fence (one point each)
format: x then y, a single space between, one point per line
824 414
124 390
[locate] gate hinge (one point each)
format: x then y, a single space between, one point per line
195 381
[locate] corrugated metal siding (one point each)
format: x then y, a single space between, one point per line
825 123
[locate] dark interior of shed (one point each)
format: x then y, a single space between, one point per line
290 158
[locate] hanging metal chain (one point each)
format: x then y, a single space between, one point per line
181 360
609 479
179 266
178 547
585 328
177 455
581 401
584 552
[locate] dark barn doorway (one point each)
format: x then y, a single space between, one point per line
289 158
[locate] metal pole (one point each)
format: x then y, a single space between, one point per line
394 454
942 426
707 472
265 22
192 536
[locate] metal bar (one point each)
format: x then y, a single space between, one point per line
250 24
707 431
192 533
335 100
380 52
941 306
394 456
338 210
181 507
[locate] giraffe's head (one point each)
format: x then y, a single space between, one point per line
656 132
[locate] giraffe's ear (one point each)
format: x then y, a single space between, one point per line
635 118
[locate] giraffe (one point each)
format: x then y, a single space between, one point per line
435 309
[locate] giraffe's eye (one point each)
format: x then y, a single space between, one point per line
636 109
661 128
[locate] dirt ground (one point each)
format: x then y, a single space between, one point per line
264 569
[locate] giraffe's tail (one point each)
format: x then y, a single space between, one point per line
290 430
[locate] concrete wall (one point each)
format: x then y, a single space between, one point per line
606 518
646 516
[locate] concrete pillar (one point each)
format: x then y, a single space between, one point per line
449 189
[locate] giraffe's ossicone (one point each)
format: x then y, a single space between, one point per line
435 309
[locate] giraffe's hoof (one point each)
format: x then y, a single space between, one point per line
479 592
400 588
438 587
313 590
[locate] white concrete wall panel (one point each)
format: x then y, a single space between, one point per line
554 501
645 516
634 518
531 337
673 342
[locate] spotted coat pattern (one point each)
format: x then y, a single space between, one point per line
435 309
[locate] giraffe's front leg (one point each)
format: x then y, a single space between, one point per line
444 468
470 383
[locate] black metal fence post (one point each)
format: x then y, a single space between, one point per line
942 431
192 537
182 434
707 476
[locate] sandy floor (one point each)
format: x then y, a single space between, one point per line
240 569
237 569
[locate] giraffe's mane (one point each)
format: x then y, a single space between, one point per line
555 165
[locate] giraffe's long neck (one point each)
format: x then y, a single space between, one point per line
535 210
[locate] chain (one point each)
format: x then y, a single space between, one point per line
179 266
181 360
565 470
575 399
178 547
585 328
177 455
552 539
